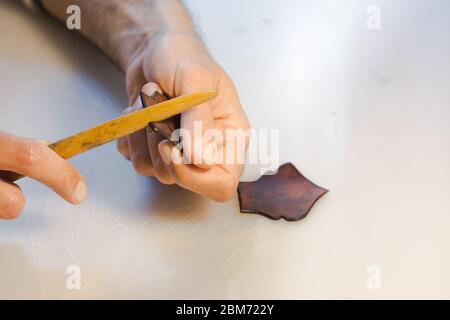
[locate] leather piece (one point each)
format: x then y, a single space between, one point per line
286 194
166 127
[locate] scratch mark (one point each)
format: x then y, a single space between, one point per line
35 258
227 260
71 233
267 21
135 263
69 252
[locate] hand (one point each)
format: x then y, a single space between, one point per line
178 64
36 160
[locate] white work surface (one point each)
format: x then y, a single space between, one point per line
364 113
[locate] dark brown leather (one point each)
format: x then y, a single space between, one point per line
286 194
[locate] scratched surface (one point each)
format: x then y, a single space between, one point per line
364 113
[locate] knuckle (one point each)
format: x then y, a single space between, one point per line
122 147
180 175
70 174
189 155
192 151
181 178
132 73
165 179
27 154
199 73
3 137
142 166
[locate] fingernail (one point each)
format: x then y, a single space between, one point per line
45 142
150 88
81 192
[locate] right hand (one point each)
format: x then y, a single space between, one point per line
37 161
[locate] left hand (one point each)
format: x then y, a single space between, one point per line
178 64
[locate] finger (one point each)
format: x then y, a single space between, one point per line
139 154
122 147
33 159
160 170
11 200
216 183
198 148
134 80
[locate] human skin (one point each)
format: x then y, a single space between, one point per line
155 43
36 160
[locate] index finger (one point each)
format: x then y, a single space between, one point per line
218 183
37 161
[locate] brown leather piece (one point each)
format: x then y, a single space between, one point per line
166 127
286 194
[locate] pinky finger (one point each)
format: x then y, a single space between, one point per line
12 200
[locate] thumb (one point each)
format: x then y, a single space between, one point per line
199 146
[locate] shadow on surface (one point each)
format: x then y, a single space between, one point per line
170 202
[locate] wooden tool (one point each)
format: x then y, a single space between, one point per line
121 127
